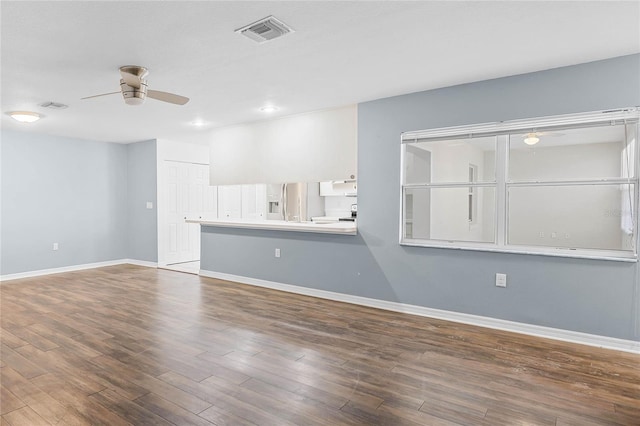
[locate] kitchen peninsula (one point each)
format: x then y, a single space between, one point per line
342 228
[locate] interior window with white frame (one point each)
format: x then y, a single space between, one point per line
564 185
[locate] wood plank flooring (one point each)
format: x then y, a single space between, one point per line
128 345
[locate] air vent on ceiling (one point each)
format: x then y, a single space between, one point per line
265 29
53 105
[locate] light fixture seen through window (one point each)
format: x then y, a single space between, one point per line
25 116
531 139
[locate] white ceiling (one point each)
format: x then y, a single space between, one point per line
342 52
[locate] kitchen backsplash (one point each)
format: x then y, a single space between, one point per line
339 206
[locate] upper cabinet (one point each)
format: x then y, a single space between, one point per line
347 188
312 147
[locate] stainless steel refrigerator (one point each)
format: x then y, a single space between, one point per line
294 202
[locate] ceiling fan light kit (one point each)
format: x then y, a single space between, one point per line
133 95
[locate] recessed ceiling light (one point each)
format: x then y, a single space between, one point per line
199 123
269 108
25 116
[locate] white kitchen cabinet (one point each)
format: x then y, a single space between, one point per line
229 201
339 188
254 202
242 202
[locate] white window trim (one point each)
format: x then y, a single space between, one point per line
501 184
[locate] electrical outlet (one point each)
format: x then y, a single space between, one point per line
501 280
541 234
277 252
55 246
150 205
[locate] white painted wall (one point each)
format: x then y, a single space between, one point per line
565 161
312 147
182 151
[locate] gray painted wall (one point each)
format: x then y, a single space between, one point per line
89 197
597 297
141 188
62 190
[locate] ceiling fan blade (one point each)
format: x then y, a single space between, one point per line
167 97
97 96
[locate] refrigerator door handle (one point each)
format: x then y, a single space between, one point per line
284 201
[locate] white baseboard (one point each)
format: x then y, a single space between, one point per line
141 263
488 322
41 272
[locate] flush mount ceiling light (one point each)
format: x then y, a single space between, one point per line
531 139
25 116
269 108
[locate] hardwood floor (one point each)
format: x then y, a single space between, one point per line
132 345
188 267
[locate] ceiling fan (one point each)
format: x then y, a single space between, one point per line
133 87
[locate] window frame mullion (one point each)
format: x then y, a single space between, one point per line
501 171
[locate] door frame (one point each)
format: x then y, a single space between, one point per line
184 152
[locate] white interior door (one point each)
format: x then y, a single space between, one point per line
188 196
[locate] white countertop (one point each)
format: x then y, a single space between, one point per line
344 228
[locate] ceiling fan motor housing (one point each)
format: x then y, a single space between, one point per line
134 95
